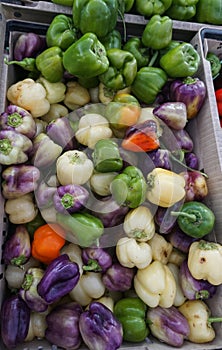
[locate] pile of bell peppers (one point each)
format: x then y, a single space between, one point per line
98 204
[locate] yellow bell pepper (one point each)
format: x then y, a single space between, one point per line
155 285
161 248
165 187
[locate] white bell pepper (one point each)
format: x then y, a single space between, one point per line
21 210
179 297
161 248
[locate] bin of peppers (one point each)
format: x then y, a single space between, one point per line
103 192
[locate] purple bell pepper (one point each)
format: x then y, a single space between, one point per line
96 259
180 240
99 328
191 91
17 248
44 195
70 198
63 326
28 45
191 160
61 132
15 318
60 277
28 290
118 278
183 140
192 288
168 325
19 180
173 114
18 119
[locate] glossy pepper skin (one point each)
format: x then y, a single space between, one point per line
131 312
181 61
149 8
86 58
99 328
60 277
121 71
158 32
113 40
148 83
15 317
215 63
28 45
97 16
118 277
61 32
140 52
49 63
96 259
182 10
62 326
129 187
61 132
106 156
195 219
83 228
70 198
209 12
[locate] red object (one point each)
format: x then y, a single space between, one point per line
218 94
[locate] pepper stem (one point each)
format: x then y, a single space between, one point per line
92 265
181 213
153 59
214 319
5 146
187 167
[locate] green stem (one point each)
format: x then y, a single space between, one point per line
124 25
181 213
214 319
92 265
153 59
187 167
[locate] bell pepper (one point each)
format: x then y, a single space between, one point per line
173 114
131 312
92 128
148 83
17 249
76 95
113 40
165 187
18 119
129 187
73 167
190 91
61 32
99 328
81 228
218 95
131 253
168 325
21 210
181 61
97 16
121 71
149 8
182 10
49 63
62 325
15 317
142 137
74 253
28 45
60 277
215 64
209 12
196 186
106 156
123 111
158 32
152 290
100 184
140 52
55 92
195 219
161 248
139 224
28 64
96 259
180 298
47 242
89 287
45 151
70 198
203 260
63 2
86 57
37 325
118 278
61 132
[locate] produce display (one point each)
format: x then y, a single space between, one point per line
108 226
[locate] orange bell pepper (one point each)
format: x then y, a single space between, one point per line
47 242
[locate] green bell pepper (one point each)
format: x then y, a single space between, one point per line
131 312
61 32
63 2
86 57
122 69
158 32
113 40
88 83
181 62
128 4
141 53
106 156
49 63
148 83
81 228
96 16
32 226
149 8
180 12
195 219
215 64
209 11
129 188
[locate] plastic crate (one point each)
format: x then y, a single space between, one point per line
204 129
